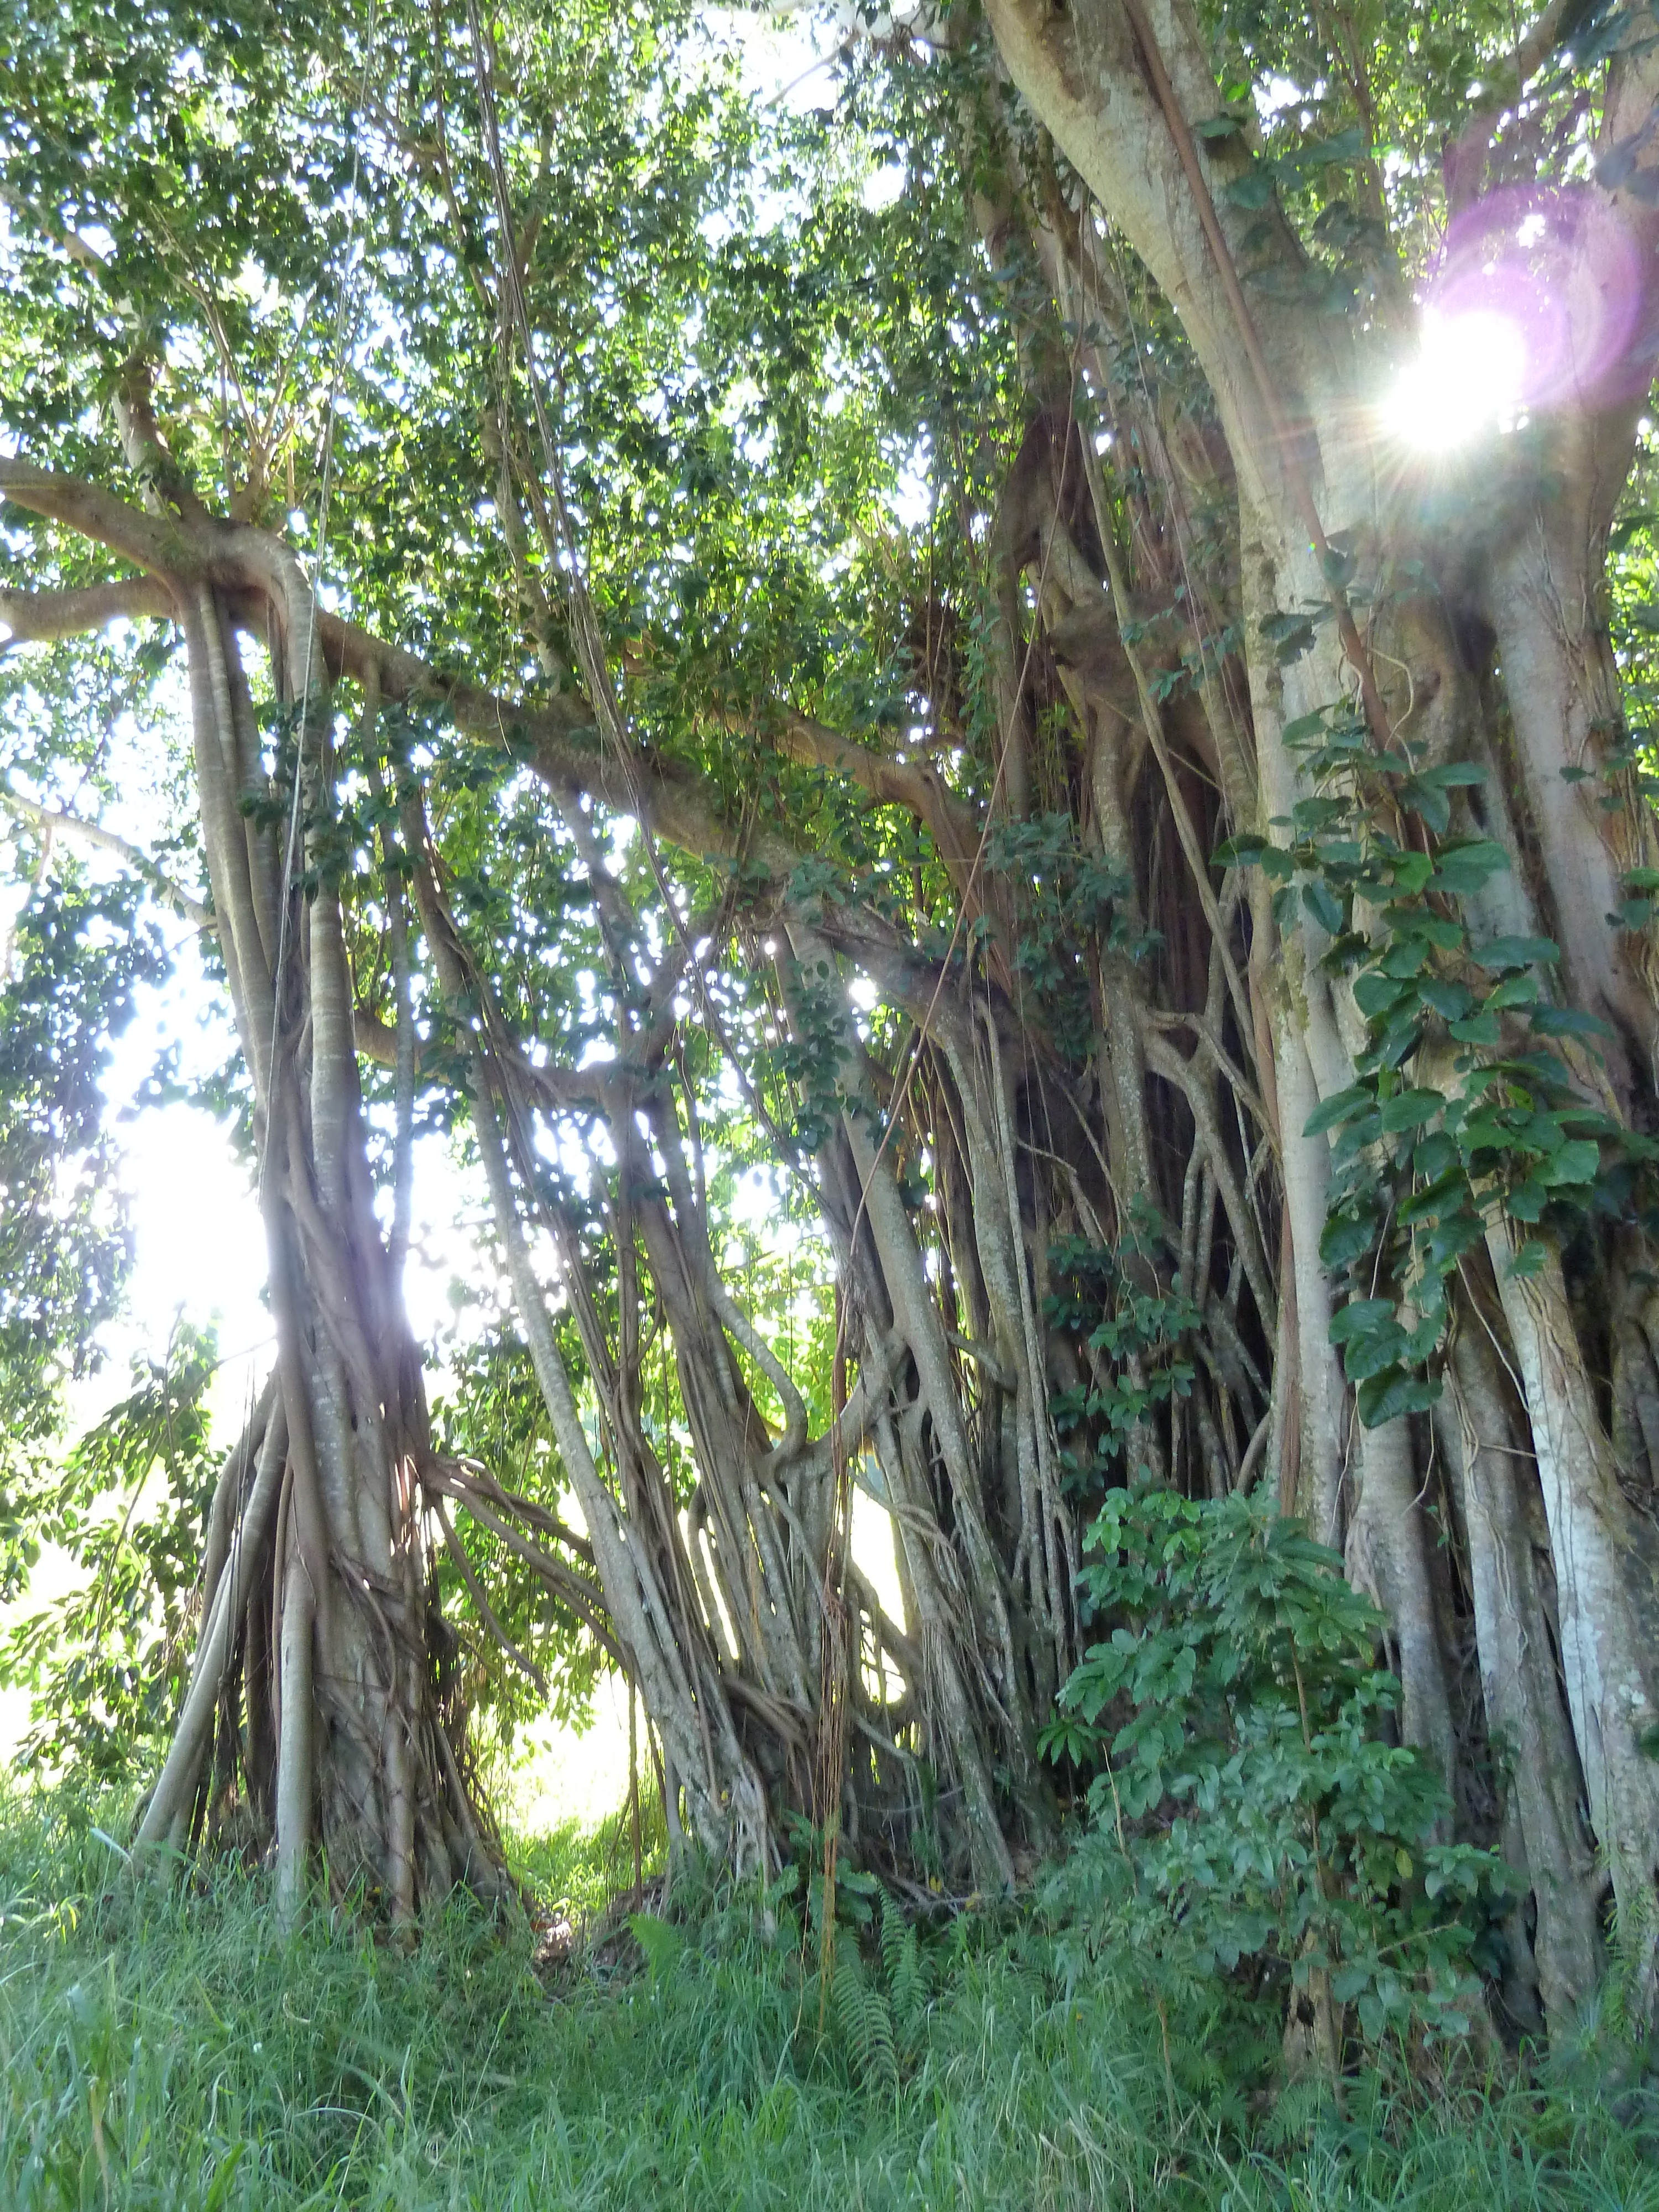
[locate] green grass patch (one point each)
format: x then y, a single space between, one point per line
163 2046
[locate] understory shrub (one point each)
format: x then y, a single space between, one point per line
1254 1816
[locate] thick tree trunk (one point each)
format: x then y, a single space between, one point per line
316 1552
1486 1443
1121 86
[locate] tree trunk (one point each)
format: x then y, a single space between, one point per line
316 1550
1121 88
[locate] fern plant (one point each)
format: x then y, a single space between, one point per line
883 1998
864 2019
909 1983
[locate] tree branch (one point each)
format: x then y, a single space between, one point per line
556 738
1463 165
919 787
157 542
67 242
43 618
105 841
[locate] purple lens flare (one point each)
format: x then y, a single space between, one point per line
1534 303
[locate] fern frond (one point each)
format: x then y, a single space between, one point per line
866 2022
893 1938
908 1983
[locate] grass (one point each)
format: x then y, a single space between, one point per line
164 2048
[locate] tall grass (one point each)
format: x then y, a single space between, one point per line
164 2047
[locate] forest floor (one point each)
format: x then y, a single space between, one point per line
163 2047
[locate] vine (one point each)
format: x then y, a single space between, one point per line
1502 1118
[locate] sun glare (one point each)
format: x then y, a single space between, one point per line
1468 378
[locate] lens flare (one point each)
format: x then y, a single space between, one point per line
1469 376
1533 302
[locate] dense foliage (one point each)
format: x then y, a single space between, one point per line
1249 1803
1006 810
128 1506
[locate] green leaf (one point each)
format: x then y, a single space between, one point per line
1360 1317
1306 725
1276 864
1567 1021
1435 1156
1416 922
1290 636
1411 871
1342 1106
1527 1201
1451 1001
1374 994
1463 869
1346 1238
1379 1352
1580 1161
1324 908
1254 190
1453 776
1430 1203
661 1943
1385 1397
1238 851
1427 800
1324 152
1409 1109
1425 792
1506 952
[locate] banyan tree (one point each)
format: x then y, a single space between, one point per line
1005 703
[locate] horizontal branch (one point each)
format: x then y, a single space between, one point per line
67 242
105 841
43 618
916 786
159 544
556 737
377 1040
